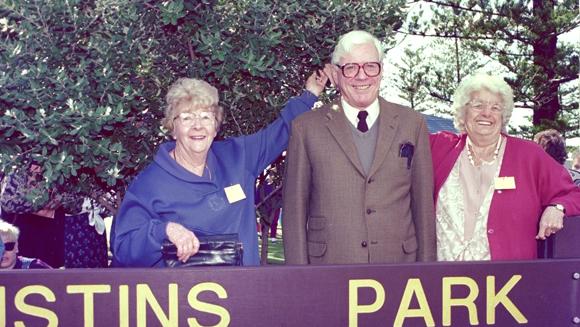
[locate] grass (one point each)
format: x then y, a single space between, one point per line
275 251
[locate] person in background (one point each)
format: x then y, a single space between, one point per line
9 250
555 145
56 228
269 204
575 170
358 185
198 186
576 159
495 194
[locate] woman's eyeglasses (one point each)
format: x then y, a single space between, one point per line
187 119
477 105
9 246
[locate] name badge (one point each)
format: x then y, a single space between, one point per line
505 183
234 193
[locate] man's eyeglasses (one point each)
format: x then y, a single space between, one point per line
9 246
187 119
350 70
477 105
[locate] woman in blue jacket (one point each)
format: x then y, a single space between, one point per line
196 186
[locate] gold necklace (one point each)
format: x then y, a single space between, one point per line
470 155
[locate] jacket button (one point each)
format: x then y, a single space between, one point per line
371 180
363 244
369 211
490 231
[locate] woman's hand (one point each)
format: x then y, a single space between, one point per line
328 69
184 239
551 222
316 82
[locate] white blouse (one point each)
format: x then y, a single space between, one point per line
462 209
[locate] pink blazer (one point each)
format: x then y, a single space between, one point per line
514 214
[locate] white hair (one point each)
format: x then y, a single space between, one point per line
9 231
478 82
347 41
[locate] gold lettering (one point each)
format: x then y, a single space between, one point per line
88 292
208 307
145 296
467 302
123 306
33 310
354 308
414 287
493 299
2 306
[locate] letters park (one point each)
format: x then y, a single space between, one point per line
528 293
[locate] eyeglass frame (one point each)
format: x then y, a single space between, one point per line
359 66
493 107
197 116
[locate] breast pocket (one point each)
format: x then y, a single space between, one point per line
405 153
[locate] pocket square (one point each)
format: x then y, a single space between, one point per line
406 150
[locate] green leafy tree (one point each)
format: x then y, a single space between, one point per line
83 81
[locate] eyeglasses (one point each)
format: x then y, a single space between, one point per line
477 105
187 119
350 70
9 246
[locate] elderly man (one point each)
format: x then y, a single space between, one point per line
358 186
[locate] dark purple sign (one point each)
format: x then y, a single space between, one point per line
530 293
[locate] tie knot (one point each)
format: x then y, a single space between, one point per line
362 115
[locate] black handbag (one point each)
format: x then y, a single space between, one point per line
214 250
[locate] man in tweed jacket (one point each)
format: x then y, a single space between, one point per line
358 186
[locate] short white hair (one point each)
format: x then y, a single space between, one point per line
479 82
9 231
347 41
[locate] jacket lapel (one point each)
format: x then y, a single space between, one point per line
388 123
340 129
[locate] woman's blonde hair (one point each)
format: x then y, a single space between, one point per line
195 93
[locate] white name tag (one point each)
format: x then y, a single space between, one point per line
234 193
505 183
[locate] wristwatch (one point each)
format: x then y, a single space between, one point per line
559 207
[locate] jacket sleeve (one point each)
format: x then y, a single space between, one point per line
267 144
296 199
137 234
422 205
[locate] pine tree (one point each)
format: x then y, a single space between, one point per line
523 36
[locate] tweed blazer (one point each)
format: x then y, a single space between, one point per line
334 213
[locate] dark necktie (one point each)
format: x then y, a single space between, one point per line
362 121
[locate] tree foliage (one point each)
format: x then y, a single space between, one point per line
520 35
410 78
83 81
